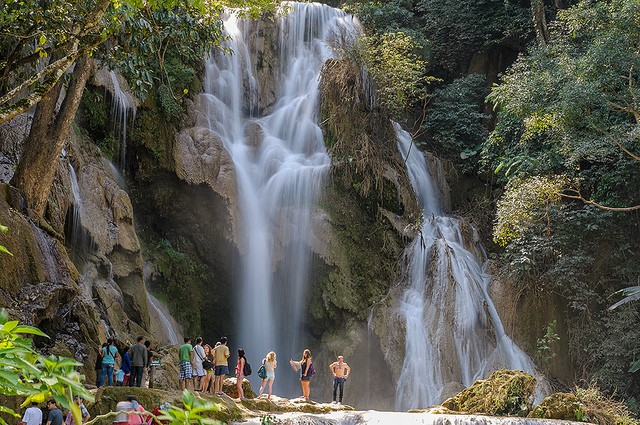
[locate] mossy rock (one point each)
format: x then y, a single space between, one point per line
229 388
106 399
504 393
559 406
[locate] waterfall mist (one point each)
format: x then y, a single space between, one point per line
278 176
453 331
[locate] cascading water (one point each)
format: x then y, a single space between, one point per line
453 331
168 324
279 179
123 113
77 235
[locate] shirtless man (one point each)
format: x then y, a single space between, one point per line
340 371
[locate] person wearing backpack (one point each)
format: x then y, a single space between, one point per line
305 365
109 354
241 369
267 373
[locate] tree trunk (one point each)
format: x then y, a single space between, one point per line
48 135
540 21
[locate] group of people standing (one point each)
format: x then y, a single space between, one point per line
134 363
201 362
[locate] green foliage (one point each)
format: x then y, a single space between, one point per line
632 293
544 349
192 413
398 72
455 120
267 420
503 393
598 408
383 17
25 372
4 229
457 29
569 109
183 280
171 109
523 203
151 38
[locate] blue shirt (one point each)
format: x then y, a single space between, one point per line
126 363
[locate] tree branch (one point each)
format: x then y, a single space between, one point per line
577 195
58 68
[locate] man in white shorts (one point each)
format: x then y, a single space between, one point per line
198 358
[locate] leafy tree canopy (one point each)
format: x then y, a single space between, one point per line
570 107
42 39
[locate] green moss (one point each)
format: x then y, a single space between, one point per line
154 134
94 119
504 393
182 280
559 406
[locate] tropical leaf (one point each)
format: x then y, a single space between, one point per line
631 293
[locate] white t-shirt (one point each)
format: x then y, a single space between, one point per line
198 356
32 416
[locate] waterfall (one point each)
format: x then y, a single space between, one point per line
278 178
453 331
78 236
168 325
123 113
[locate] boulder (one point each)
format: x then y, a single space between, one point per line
504 393
564 406
229 387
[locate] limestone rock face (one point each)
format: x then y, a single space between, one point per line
105 216
201 158
39 286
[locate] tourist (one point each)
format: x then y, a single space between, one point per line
109 354
305 365
198 358
185 356
55 415
84 413
340 371
137 419
147 371
270 364
242 360
33 415
98 365
138 362
125 366
221 355
206 380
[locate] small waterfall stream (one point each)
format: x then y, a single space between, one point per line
453 331
278 178
168 324
123 113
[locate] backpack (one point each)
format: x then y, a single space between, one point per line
246 370
262 371
311 371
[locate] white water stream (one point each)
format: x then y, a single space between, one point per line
279 177
123 113
167 322
453 331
